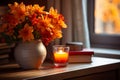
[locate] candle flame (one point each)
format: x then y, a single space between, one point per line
60 51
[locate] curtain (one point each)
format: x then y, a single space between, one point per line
74 12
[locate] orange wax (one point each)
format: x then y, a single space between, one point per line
61 57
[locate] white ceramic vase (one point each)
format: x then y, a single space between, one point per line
30 55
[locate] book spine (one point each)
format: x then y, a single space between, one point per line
80 53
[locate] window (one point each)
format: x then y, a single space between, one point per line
104 23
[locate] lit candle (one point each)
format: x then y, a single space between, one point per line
61 56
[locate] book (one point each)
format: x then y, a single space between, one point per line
74 46
81 56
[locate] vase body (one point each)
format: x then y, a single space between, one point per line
30 55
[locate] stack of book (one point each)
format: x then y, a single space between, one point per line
84 55
5 51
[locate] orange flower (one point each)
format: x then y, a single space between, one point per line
26 33
3 28
37 8
31 22
61 21
8 18
18 10
53 12
7 29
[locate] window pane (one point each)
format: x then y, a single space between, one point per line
107 17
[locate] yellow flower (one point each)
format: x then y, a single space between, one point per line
53 12
26 33
37 8
57 33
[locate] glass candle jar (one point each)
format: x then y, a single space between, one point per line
61 55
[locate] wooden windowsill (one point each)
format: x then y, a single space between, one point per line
72 71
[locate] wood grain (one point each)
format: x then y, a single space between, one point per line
48 71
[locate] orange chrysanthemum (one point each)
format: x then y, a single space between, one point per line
26 33
31 22
18 10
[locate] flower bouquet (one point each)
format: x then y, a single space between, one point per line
31 22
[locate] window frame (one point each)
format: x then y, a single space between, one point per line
100 40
